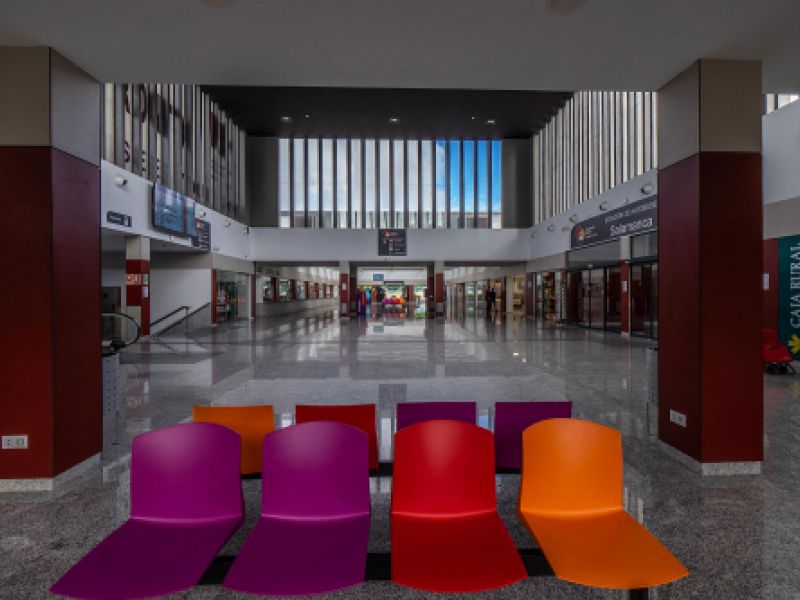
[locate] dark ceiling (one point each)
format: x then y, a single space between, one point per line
366 112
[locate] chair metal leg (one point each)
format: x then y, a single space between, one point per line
639 594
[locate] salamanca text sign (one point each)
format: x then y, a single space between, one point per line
631 219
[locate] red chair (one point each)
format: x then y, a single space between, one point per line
446 533
360 416
776 356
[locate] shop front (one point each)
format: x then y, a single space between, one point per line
644 286
232 296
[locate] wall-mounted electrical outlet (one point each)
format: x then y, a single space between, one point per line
677 418
15 442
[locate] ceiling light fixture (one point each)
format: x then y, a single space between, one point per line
393 120
308 116
574 219
551 227
490 121
647 188
604 206
286 119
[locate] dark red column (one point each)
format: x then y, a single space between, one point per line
50 377
710 267
625 276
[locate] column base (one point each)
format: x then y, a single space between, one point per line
51 484
712 469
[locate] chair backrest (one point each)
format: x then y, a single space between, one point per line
315 469
769 337
512 418
443 467
237 417
360 416
186 472
417 412
570 466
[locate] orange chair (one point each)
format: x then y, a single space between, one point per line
252 423
571 501
360 416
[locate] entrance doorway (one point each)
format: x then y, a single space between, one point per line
591 298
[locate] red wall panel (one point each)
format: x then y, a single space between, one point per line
26 335
710 265
770 296
77 372
679 312
731 244
625 282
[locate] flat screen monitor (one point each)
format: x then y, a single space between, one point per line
168 210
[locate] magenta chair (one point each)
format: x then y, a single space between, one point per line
186 502
512 418
417 412
313 532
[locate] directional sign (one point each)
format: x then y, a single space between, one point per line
391 242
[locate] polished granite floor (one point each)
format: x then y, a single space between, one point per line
738 536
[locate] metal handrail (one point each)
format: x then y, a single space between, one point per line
185 319
117 344
169 314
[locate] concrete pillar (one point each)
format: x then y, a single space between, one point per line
137 280
50 186
710 226
344 289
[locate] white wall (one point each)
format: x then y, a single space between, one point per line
547 243
112 273
228 237
781 154
177 280
424 245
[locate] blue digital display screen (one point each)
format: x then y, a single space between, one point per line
171 212
191 227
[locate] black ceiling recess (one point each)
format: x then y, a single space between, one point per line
369 112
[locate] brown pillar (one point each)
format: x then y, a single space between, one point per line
710 298
50 234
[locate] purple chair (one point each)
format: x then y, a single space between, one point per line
186 502
313 532
512 418
416 412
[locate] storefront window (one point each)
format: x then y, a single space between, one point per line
232 300
284 293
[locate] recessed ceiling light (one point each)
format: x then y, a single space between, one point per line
473 118
393 120
308 116
490 121
286 119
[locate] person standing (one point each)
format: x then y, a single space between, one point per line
490 300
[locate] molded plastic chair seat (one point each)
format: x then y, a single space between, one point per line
609 550
313 531
360 416
417 412
465 553
446 533
571 501
186 502
252 423
773 351
512 418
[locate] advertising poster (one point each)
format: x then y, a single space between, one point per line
789 293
